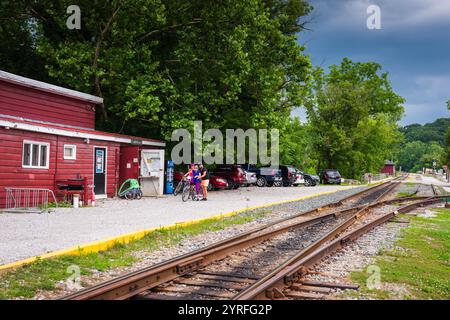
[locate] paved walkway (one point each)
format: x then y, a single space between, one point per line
26 235
427 180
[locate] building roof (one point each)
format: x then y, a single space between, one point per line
389 163
43 86
36 126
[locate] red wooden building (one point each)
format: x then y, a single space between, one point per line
389 168
47 134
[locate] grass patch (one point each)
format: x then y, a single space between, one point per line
61 204
403 194
420 261
25 281
410 184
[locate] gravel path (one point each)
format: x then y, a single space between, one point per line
427 180
26 235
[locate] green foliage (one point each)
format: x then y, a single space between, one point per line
18 54
446 156
424 144
428 132
296 146
353 117
413 156
162 64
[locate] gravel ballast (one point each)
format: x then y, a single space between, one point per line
26 235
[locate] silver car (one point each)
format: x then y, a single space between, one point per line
250 178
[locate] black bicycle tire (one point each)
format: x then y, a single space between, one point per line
178 188
186 195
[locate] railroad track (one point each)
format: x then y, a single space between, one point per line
434 189
264 263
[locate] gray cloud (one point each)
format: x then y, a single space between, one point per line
413 46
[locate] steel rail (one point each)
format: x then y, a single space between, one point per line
434 189
272 285
136 282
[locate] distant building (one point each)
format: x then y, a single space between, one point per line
389 168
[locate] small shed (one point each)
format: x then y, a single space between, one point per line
389 168
47 135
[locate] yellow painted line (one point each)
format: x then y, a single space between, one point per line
105 244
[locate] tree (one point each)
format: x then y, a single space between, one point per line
353 116
18 45
296 146
415 155
161 64
429 132
446 154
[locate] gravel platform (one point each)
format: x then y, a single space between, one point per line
26 235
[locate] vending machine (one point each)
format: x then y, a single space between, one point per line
169 177
146 165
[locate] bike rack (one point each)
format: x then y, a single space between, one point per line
28 200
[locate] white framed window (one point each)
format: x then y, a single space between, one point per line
35 155
70 152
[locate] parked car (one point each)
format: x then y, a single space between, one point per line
289 175
311 180
298 178
177 177
331 176
250 178
216 183
265 176
233 174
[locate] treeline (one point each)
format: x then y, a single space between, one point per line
430 132
424 144
162 64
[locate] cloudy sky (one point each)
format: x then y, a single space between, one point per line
413 45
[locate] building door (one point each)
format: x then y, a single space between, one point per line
100 171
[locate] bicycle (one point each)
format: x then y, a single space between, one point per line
189 192
180 186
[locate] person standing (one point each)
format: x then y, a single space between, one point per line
205 181
197 179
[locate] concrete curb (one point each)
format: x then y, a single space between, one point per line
102 245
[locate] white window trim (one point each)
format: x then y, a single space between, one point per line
74 156
39 157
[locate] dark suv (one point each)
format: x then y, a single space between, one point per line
331 176
311 180
265 176
233 174
289 175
